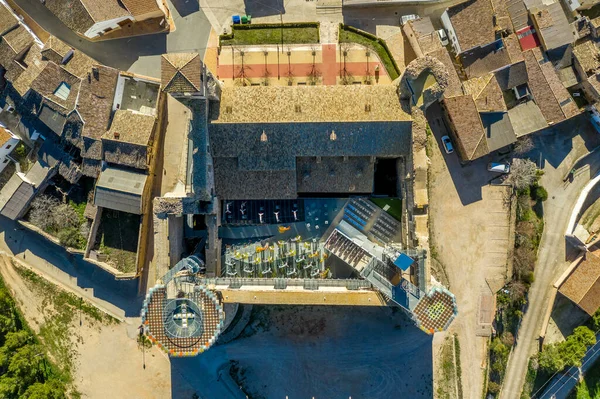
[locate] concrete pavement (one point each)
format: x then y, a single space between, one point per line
560 147
139 54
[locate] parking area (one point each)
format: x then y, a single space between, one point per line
470 231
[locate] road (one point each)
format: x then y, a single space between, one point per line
137 54
552 262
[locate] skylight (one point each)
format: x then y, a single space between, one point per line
62 91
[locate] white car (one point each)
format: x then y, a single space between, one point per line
406 18
443 37
498 167
447 143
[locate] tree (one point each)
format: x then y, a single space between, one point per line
8 387
596 320
523 173
583 335
551 359
49 214
523 145
493 387
14 341
25 366
51 389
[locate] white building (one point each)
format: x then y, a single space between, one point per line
8 142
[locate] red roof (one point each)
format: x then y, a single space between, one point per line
528 38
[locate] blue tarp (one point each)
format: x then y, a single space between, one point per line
403 262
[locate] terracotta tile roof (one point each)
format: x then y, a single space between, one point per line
50 79
141 7
454 84
18 39
132 128
583 284
96 100
311 104
72 13
181 72
7 20
514 48
481 60
564 99
35 65
104 10
473 22
79 64
587 54
4 136
552 25
55 50
80 15
490 99
463 115
541 90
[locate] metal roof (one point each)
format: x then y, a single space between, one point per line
120 189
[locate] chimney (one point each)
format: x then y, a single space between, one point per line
117 135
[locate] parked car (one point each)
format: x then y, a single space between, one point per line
447 143
498 167
406 18
443 36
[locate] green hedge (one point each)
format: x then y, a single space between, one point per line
257 34
378 45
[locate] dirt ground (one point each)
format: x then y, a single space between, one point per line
469 226
106 358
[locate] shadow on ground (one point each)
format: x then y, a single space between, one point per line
186 7
316 351
264 8
468 179
121 293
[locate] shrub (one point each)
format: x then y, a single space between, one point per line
540 193
493 387
508 339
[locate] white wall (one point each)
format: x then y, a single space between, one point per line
5 150
451 33
99 27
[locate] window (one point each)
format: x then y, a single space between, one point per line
8 146
5 160
62 91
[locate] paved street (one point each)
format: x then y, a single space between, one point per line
560 148
137 54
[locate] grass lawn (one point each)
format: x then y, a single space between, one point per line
589 388
395 204
118 239
347 36
271 35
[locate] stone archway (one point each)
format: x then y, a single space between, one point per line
412 84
